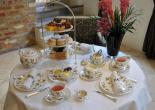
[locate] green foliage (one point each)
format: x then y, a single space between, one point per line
122 25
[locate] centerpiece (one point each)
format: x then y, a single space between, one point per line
113 24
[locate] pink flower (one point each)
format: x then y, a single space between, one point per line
106 8
104 26
124 4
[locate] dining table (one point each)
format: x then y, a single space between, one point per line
137 99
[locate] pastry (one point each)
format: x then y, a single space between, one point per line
67 69
52 42
61 42
58 25
67 25
58 55
51 26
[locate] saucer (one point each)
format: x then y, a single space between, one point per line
88 78
53 100
113 67
36 84
106 85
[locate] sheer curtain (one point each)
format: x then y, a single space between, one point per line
149 42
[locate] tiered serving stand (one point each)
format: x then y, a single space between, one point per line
73 28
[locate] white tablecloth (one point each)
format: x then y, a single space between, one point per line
137 100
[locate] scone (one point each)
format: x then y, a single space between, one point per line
61 42
52 42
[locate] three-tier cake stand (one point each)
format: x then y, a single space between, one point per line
48 49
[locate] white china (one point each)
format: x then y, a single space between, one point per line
19 80
97 59
56 100
119 86
88 78
122 61
119 69
81 95
66 77
57 93
90 71
82 48
29 57
106 86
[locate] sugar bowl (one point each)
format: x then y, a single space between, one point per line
29 57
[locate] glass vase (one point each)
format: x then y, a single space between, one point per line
113 45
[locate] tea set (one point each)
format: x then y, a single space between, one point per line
59 93
92 71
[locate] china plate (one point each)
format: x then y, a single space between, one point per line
106 85
65 30
55 79
36 84
51 99
88 78
113 67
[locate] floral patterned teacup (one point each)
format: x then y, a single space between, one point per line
122 61
97 58
57 90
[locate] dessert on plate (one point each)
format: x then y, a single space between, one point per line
58 74
58 25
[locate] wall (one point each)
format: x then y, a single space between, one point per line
136 39
16 24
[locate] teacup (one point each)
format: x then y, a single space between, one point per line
57 90
81 95
97 58
90 71
122 61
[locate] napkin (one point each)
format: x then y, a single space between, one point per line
118 85
28 82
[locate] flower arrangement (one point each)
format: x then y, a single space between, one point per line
115 23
